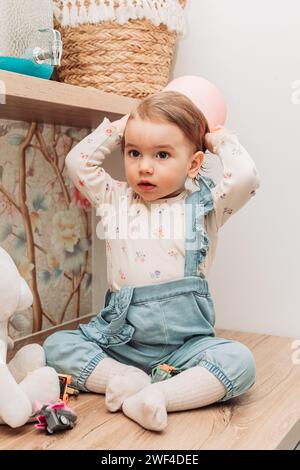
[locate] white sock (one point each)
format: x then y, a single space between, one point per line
121 387
118 381
193 388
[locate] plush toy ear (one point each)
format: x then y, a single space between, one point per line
10 343
25 299
9 285
20 322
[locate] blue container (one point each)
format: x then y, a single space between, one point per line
26 67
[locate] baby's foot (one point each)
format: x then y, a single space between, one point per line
147 408
121 387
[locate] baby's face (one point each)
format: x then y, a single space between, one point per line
158 152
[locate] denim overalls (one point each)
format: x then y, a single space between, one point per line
172 322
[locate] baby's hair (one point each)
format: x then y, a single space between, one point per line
178 109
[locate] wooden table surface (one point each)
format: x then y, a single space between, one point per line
266 417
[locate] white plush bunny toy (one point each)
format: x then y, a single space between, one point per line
25 379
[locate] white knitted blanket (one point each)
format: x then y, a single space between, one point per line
167 12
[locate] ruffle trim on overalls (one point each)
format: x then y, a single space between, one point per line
109 327
197 241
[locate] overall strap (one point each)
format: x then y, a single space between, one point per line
197 205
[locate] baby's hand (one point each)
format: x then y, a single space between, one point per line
218 135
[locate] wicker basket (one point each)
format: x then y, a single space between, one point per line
129 57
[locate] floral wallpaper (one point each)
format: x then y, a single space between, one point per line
45 222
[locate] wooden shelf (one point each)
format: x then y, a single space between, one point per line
35 99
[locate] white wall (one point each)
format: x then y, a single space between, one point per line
251 51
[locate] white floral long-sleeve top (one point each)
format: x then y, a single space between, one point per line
144 245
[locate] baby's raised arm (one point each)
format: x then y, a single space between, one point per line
240 178
84 162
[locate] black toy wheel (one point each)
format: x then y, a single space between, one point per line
49 430
64 420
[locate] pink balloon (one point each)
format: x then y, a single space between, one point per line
205 95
